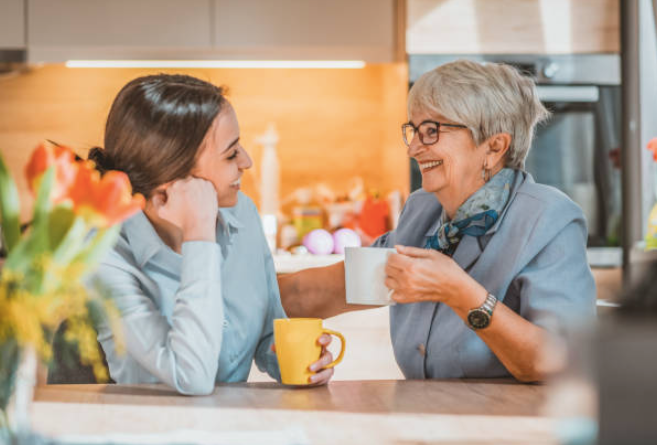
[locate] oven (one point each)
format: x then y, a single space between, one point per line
577 149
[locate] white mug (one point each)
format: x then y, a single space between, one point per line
365 275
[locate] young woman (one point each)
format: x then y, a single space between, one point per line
192 274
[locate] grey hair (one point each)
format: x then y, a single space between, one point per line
488 98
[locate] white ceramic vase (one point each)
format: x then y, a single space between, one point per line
20 404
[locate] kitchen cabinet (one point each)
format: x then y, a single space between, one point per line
307 29
61 30
99 29
512 26
12 24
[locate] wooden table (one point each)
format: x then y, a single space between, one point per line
357 412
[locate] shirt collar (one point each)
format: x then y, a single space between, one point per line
142 237
521 177
227 218
433 228
145 243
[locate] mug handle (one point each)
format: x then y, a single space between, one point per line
343 346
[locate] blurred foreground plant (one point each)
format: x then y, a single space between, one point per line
75 222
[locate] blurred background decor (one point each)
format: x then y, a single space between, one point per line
75 222
651 232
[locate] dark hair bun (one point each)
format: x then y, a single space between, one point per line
98 156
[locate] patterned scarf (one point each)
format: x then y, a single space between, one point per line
475 216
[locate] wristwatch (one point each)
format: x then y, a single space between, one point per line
479 317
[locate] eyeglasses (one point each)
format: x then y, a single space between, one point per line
428 131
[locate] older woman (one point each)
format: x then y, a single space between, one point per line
490 264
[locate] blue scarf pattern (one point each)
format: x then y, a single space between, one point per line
475 216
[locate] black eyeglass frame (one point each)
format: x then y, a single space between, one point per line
416 131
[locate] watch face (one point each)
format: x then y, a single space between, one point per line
478 319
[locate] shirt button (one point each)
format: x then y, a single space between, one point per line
225 323
422 349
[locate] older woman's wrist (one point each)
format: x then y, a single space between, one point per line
468 294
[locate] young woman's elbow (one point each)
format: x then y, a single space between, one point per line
196 387
195 383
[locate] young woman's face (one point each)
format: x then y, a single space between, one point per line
223 159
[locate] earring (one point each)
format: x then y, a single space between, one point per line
485 173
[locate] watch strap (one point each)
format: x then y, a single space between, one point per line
489 304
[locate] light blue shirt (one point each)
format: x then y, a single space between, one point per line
533 259
192 319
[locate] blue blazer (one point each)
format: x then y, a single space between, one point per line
533 260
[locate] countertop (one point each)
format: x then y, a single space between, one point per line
293 263
350 412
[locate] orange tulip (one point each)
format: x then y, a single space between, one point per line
44 156
107 200
652 146
114 198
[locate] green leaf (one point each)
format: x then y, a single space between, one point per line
39 234
61 220
36 242
72 242
42 204
9 208
18 260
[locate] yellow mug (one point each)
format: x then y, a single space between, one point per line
297 347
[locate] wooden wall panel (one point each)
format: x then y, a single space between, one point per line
512 26
333 124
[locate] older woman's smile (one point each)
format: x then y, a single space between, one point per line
428 165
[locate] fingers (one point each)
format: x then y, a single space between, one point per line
322 377
414 252
391 283
324 340
199 180
400 297
272 347
398 261
407 257
323 361
194 182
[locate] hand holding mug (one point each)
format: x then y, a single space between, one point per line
301 348
417 275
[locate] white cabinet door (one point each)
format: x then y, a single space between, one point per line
512 26
306 29
12 24
65 29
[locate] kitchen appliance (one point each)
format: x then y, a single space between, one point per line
577 149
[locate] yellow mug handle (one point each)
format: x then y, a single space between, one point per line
342 348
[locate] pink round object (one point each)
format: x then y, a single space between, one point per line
345 238
319 242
